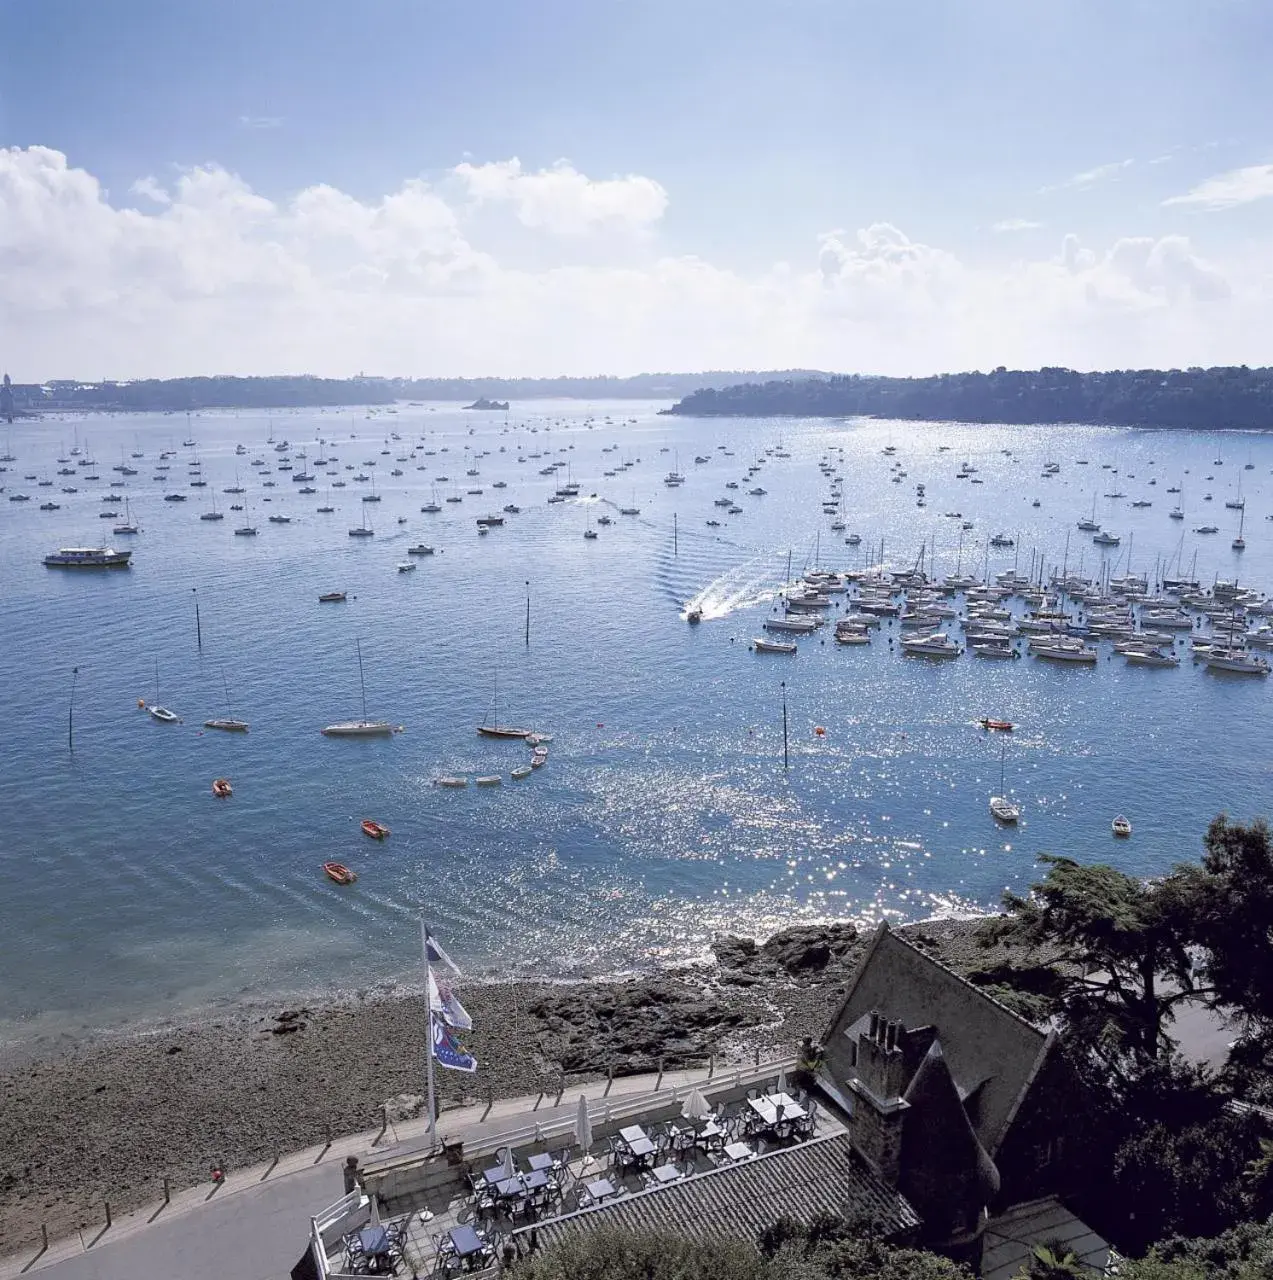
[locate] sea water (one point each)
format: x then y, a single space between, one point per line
671 806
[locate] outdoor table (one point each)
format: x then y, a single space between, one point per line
600 1190
666 1173
510 1188
711 1135
633 1133
642 1149
375 1244
541 1161
776 1107
536 1179
494 1175
467 1243
738 1151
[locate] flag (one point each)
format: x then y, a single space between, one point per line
434 953
445 1004
447 1049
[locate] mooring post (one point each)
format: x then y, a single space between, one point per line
108 1213
167 1190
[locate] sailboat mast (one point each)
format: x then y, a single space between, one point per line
362 684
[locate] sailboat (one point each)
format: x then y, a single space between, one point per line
497 730
157 712
229 724
127 526
1238 543
363 728
247 529
1090 525
1001 807
363 531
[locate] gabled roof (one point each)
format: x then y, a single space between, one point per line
740 1201
989 1049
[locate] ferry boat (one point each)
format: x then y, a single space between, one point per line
88 558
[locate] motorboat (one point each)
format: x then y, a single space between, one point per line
936 645
332 597
1151 658
452 782
88 558
338 872
694 615
489 780
522 771
1004 726
227 725
1121 827
420 550
376 830
852 635
1106 539
760 645
799 625
1059 651
221 788
407 566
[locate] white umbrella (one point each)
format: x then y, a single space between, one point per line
696 1106
583 1128
782 1082
509 1168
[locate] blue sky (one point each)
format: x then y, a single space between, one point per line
779 134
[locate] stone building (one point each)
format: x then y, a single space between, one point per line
960 1104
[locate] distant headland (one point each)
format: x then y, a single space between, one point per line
190 395
1199 399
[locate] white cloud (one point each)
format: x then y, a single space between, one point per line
562 199
1015 224
1225 190
1090 177
211 275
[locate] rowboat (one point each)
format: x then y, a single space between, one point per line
331 597
522 771
221 788
987 723
376 830
340 873
1121 827
489 780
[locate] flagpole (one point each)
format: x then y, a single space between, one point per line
428 1005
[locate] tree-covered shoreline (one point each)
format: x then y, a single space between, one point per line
1195 399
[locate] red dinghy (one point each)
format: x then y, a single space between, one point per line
376 830
221 788
1005 725
339 872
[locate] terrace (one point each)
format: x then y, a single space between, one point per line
710 1156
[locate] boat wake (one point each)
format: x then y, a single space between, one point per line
754 582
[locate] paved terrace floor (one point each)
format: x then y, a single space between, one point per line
255 1225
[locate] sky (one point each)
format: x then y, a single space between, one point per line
410 187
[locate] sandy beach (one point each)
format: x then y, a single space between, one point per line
112 1117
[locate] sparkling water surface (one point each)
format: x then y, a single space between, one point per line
664 812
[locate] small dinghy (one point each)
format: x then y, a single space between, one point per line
332 597
452 782
340 873
489 780
221 788
772 646
522 771
986 723
376 830
1121 827
163 715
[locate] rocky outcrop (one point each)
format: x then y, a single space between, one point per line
803 952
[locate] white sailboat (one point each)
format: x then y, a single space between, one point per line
363 728
229 724
1001 808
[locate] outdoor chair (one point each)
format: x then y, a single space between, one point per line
753 1094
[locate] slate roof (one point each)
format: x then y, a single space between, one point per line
1011 1236
989 1049
739 1201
